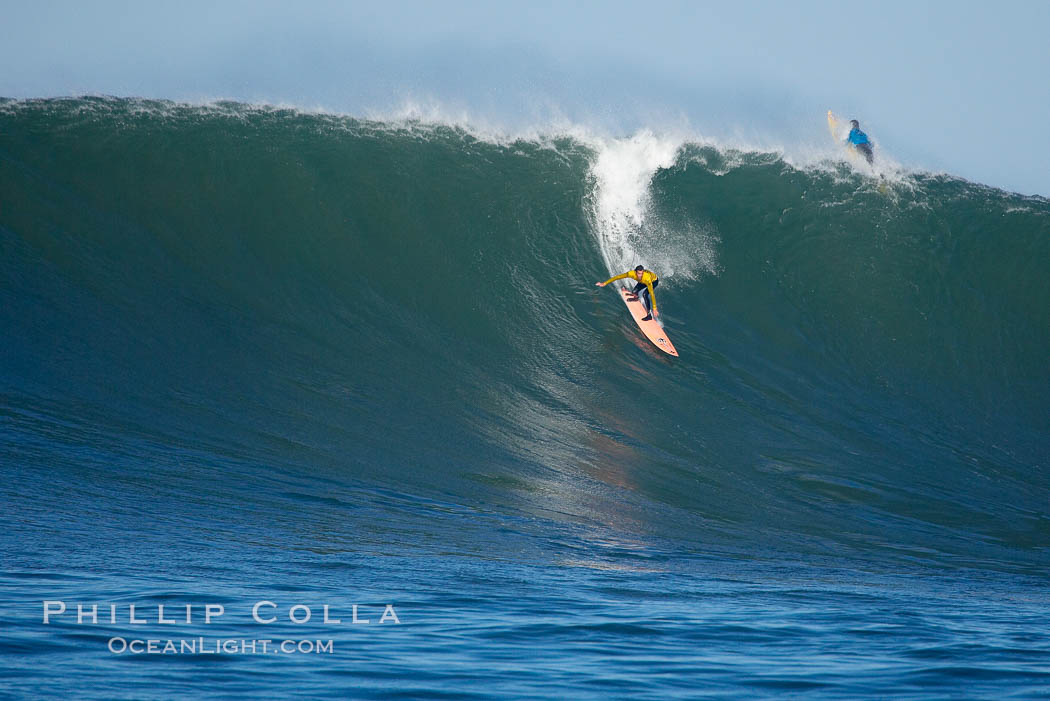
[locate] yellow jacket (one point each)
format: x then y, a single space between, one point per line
647 277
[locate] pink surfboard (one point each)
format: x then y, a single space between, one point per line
651 328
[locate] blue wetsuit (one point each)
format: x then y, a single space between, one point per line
857 137
860 142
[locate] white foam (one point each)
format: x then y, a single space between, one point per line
629 233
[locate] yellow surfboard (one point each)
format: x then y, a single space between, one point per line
833 125
838 137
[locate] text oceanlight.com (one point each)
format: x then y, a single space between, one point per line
219 646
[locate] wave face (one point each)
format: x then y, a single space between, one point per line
411 307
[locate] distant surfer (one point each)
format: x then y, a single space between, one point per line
647 282
859 140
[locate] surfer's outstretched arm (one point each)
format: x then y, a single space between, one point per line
613 279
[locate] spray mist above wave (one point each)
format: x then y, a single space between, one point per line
628 231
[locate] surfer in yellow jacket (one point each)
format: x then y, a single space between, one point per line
647 281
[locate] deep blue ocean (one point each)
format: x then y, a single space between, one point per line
266 372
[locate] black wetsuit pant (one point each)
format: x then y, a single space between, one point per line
867 151
640 288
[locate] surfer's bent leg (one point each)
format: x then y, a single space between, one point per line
642 292
649 302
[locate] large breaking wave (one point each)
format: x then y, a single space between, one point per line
411 305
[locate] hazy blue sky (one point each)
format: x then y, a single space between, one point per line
955 86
